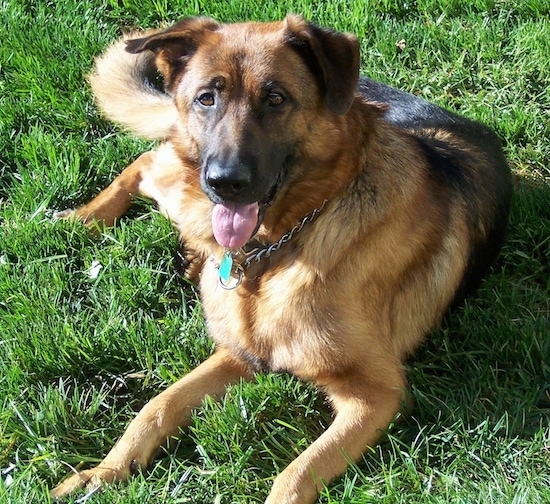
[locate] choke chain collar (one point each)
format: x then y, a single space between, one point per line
235 262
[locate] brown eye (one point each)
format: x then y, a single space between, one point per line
275 99
206 99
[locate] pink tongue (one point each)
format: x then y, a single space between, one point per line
233 224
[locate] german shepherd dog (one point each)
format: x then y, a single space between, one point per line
329 220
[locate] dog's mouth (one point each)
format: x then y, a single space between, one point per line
234 224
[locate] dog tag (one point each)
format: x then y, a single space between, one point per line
226 265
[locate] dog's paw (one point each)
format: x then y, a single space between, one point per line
69 213
91 480
85 216
295 485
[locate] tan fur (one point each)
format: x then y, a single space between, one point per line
343 304
117 75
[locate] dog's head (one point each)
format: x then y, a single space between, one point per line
245 93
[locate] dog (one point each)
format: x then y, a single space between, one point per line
329 220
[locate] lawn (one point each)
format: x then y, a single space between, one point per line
83 347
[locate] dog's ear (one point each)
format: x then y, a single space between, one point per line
174 46
333 57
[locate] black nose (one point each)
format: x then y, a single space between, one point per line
227 181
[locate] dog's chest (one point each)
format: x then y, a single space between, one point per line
275 323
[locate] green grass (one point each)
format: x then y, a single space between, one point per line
78 356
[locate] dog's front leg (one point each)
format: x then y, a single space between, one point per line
364 407
159 420
114 201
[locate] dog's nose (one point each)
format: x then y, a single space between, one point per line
228 181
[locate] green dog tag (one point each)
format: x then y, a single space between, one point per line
226 265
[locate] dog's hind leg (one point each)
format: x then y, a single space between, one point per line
365 404
159 420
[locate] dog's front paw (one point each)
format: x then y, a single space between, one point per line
77 214
292 488
91 480
69 213
86 216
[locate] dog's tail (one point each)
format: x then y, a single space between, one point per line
121 83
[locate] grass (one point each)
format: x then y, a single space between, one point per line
79 355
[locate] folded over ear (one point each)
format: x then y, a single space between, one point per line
332 57
174 46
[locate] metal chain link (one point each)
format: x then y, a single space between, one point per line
259 253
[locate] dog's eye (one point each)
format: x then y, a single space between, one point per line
275 99
206 99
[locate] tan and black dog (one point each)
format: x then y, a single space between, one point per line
329 220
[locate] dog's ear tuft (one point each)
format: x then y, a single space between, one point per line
332 57
175 45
